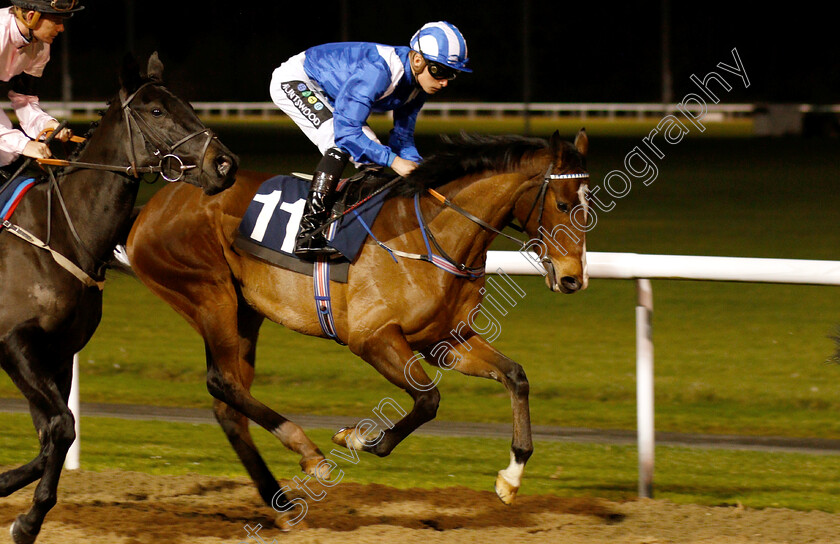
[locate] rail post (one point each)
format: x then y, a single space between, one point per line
71 462
644 385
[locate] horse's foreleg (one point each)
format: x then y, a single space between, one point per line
485 361
389 353
18 478
53 419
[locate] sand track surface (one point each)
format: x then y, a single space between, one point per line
118 507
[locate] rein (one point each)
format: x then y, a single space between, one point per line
461 269
163 149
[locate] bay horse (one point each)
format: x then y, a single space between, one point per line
390 307
50 311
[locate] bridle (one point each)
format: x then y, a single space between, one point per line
540 198
163 149
448 264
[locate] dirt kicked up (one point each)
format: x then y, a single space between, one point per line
132 508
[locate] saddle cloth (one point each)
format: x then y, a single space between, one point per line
12 195
270 225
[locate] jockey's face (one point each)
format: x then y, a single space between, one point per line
429 84
48 27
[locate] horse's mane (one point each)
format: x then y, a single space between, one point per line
74 155
77 151
466 154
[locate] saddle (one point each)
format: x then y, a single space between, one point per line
11 193
367 183
269 226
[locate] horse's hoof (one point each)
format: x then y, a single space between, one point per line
342 436
286 522
18 535
317 468
505 490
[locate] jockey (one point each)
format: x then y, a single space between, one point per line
330 90
27 28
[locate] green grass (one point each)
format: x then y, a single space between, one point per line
683 475
730 357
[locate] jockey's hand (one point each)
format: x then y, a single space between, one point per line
36 150
402 166
64 134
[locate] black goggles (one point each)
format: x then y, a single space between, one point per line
441 71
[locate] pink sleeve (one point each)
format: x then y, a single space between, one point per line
29 113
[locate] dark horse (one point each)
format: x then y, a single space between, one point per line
389 308
49 313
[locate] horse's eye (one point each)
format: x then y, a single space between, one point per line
157 112
563 207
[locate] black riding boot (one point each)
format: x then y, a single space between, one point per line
309 243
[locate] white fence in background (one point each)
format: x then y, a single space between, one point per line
470 109
641 268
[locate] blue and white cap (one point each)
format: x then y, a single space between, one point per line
442 42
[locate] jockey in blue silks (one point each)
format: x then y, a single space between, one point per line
330 91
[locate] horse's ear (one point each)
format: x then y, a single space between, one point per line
130 78
582 142
554 141
155 68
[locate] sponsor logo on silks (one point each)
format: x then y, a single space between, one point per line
307 102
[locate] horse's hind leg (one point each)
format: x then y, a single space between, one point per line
482 359
389 353
51 415
230 372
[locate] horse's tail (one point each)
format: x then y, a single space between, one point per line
119 258
836 337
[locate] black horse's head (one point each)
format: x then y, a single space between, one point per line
164 131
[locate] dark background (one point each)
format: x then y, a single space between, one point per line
578 52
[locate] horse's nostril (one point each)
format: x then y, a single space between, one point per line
223 165
570 282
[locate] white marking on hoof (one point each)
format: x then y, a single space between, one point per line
505 491
356 441
509 480
352 438
340 437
